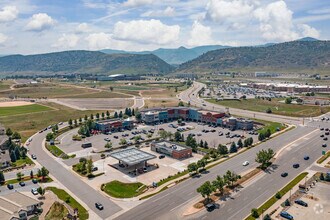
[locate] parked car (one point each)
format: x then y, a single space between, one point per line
34 191
99 206
296 165
94 169
285 174
22 183
324 145
60 123
107 139
302 203
325 139
145 169
306 157
322 135
210 207
34 157
115 136
10 186
161 156
35 181
286 215
245 163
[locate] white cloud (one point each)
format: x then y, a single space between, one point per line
82 28
40 22
67 41
8 13
276 22
97 41
146 32
229 10
167 12
308 31
136 3
3 38
200 35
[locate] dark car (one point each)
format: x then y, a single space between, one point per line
321 129
286 215
327 133
296 165
285 174
99 206
10 186
210 207
322 135
34 157
327 129
325 139
161 156
115 136
306 157
302 203
95 169
22 183
35 181
324 145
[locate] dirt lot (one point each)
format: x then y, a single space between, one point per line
318 207
14 103
96 103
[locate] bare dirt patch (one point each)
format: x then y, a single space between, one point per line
14 103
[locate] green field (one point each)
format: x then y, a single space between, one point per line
64 196
56 211
28 126
18 110
123 190
259 105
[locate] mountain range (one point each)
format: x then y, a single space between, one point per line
83 62
298 55
304 54
173 56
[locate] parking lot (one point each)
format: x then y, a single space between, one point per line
213 135
318 204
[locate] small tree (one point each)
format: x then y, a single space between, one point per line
201 163
108 145
85 118
181 103
43 173
219 184
287 202
321 176
19 176
89 166
269 110
120 114
192 168
97 116
222 149
233 148
9 132
201 143
278 195
261 137
122 141
103 115
177 136
268 133
41 191
240 143
31 174
231 177
264 156
254 213
206 145
70 122
288 100
2 178
267 217
206 189
16 136
108 114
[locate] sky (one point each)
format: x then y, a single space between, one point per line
42 26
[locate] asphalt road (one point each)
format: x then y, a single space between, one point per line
191 95
78 187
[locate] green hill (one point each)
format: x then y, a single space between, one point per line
83 62
289 56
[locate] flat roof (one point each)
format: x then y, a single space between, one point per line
132 156
173 146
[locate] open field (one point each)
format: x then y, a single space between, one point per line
27 126
57 211
5 84
18 110
278 108
14 103
152 103
50 90
96 103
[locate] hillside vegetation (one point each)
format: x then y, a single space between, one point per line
83 62
295 55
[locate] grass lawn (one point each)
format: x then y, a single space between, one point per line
102 94
151 103
323 158
123 190
18 110
28 126
64 196
22 161
270 125
278 108
57 152
28 178
57 211
283 191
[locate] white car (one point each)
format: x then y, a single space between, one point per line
246 163
34 191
